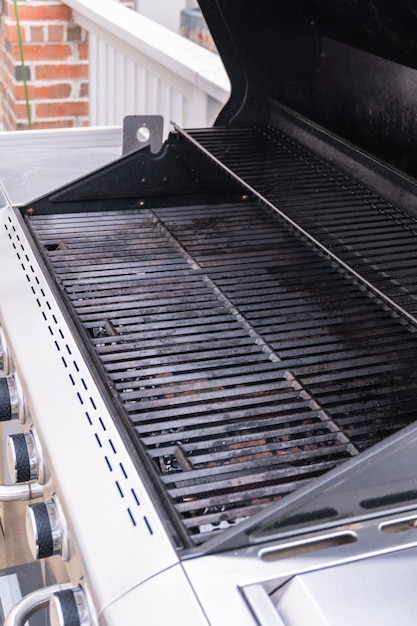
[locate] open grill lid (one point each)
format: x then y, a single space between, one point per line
349 66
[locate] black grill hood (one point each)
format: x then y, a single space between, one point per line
348 65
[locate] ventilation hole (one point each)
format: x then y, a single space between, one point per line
131 517
38 301
84 384
93 404
98 440
68 349
44 315
71 379
37 280
64 361
89 418
145 519
50 330
76 366
42 292
123 470
102 423
57 346
61 333
108 464
80 397
120 489
135 497
112 446
55 320
48 305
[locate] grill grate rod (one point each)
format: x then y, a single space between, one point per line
299 229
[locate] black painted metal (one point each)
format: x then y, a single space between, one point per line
350 66
5 404
22 458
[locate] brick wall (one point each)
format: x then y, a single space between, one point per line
56 61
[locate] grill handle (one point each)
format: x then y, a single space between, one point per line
14 493
32 603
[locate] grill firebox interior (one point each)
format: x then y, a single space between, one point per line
246 361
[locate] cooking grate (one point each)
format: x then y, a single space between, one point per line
246 363
372 239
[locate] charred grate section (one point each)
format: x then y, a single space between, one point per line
227 425
346 351
246 363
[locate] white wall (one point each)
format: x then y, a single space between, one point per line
165 12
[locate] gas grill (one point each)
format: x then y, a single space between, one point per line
230 327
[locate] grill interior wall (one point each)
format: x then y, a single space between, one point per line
247 363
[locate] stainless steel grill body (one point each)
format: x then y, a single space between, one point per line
215 345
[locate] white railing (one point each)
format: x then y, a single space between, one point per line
138 67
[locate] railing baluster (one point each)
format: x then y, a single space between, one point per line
139 67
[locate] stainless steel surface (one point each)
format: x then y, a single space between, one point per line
33 163
10 592
375 591
13 493
219 580
141 131
221 357
6 364
257 598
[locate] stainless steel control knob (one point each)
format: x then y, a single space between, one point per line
8 408
12 402
69 608
25 458
45 530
